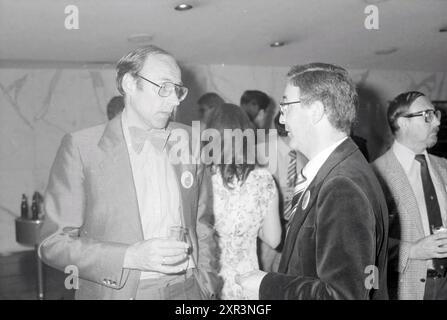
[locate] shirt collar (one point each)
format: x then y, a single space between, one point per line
405 155
313 166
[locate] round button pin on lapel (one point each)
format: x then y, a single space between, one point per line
187 179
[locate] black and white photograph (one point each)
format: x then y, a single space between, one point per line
236 153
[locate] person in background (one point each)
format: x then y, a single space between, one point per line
245 202
207 103
414 183
115 107
113 197
255 103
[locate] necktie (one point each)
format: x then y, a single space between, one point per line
299 189
291 181
157 138
432 204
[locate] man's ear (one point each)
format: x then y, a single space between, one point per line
402 123
129 83
317 111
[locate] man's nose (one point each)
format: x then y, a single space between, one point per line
436 122
282 119
173 100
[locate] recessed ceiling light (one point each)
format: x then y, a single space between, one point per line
140 38
374 1
277 44
386 51
183 7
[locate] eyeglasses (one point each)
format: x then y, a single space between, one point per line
167 88
284 105
428 115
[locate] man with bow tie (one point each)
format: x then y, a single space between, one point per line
113 196
336 242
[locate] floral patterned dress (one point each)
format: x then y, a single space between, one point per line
239 214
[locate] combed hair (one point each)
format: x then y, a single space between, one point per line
399 106
133 62
332 86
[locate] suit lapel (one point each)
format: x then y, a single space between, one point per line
298 219
439 173
338 155
185 172
439 179
400 184
118 176
186 176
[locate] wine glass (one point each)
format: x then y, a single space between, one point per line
439 229
182 234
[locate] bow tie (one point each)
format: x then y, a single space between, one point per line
157 137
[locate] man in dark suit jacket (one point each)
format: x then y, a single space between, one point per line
337 237
114 193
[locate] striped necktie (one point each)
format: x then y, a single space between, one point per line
298 192
291 181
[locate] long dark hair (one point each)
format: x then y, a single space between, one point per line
230 116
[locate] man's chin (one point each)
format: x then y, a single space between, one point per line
163 121
432 142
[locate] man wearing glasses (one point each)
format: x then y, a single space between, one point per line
336 243
415 184
114 199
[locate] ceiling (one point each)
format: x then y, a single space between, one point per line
230 32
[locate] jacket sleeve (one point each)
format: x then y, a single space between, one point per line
398 250
345 247
207 261
63 243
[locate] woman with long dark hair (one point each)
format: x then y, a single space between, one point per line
245 198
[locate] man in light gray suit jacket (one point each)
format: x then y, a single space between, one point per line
415 183
114 194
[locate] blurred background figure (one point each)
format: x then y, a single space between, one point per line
255 104
115 106
207 103
245 203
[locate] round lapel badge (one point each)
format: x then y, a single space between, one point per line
187 179
305 200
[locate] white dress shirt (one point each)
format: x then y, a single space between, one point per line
156 187
412 168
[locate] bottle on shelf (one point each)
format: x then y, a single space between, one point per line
35 206
24 209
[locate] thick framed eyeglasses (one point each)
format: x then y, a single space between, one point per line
167 88
428 115
284 105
